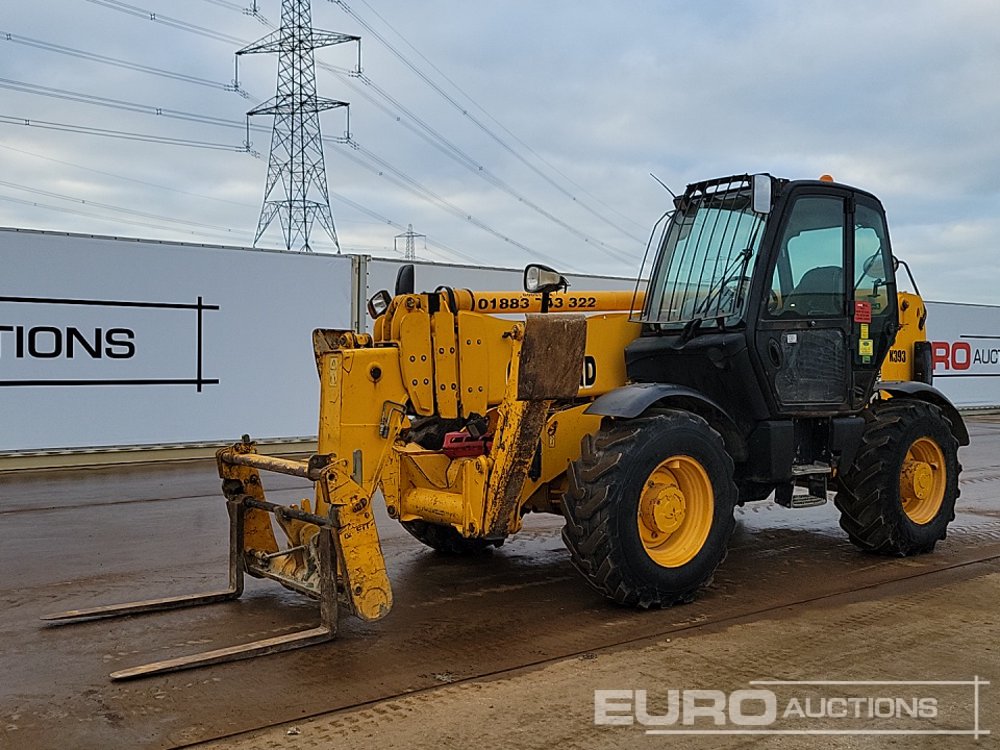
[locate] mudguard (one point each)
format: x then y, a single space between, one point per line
632 400
930 394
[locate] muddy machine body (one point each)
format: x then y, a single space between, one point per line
770 353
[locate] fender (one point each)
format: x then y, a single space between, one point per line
930 394
630 401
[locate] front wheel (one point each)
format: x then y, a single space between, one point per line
899 496
649 510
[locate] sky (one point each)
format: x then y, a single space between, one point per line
538 137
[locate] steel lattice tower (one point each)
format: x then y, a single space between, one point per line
410 249
296 159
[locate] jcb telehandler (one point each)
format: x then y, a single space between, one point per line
770 352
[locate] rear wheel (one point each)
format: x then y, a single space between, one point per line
649 510
446 540
899 496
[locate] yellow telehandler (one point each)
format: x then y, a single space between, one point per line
770 352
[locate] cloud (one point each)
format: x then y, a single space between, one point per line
895 97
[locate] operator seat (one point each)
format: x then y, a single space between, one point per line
820 291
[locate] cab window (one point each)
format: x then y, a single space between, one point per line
808 278
871 257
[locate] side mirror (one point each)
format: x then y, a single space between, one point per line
762 193
379 303
871 262
542 279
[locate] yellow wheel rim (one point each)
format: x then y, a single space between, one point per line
922 480
675 512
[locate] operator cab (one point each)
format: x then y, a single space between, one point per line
790 283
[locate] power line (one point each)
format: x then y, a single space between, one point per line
482 126
126 179
110 207
449 148
116 62
92 215
120 104
373 214
454 152
149 15
379 168
120 134
251 11
146 109
397 176
444 250
407 182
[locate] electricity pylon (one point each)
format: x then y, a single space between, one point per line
410 250
296 159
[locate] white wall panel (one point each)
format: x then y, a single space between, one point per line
966 351
116 342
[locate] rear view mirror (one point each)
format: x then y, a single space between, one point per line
542 279
762 193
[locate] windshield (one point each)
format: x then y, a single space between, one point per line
706 255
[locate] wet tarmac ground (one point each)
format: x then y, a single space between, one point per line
72 539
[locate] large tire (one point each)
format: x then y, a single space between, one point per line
446 540
628 467
889 504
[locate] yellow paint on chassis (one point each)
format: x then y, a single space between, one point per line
898 364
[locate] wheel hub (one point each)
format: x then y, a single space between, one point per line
676 506
922 480
663 508
918 480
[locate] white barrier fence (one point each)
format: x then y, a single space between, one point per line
107 342
110 342
965 348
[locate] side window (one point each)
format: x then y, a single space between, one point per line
871 254
808 278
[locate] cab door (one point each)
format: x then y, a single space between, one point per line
874 308
804 332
